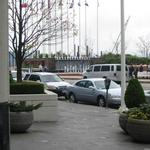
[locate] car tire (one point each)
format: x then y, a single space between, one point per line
84 77
72 98
101 101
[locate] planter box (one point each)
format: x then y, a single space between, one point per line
48 111
139 130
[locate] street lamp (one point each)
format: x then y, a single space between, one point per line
123 77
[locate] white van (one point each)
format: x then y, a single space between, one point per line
111 71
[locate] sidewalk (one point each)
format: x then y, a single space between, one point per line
79 127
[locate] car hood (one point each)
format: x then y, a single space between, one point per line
114 92
58 84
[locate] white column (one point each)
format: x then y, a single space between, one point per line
123 71
4 77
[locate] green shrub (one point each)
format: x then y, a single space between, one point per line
26 87
142 112
23 107
134 95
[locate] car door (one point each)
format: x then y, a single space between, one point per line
79 90
89 92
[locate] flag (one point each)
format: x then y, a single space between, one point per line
72 4
97 3
23 4
79 4
60 3
49 4
42 5
86 4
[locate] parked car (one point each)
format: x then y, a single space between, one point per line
112 71
51 81
93 90
14 74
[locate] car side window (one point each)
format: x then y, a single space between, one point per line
26 77
34 78
80 84
90 69
105 68
88 84
96 68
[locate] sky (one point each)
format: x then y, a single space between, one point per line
109 24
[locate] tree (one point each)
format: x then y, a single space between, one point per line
31 24
144 46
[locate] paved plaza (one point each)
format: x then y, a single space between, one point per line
79 127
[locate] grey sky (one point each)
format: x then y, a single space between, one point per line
109 23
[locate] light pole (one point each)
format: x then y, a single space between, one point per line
123 72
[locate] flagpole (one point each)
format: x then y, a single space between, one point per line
86 52
123 77
55 28
97 28
79 48
74 46
67 28
49 22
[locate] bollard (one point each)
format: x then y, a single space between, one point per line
4 126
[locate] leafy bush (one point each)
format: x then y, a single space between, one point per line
26 87
134 95
23 107
141 112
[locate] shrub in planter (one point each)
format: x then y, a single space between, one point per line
21 116
134 95
138 124
26 87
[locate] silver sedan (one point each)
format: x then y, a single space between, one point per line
93 90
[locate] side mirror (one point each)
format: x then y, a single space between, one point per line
107 83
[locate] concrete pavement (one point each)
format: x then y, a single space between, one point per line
79 127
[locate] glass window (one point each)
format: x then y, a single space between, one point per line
105 68
112 68
119 68
81 83
90 69
96 68
34 77
26 77
88 84
51 78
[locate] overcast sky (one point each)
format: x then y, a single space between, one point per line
109 23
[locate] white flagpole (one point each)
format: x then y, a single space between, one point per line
123 77
97 28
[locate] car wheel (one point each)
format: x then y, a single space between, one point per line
101 101
72 98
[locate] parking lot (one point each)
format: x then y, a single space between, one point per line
79 127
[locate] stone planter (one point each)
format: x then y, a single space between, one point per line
20 121
139 130
123 118
48 111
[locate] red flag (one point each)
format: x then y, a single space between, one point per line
24 4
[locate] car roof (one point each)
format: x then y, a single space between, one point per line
93 79
41 73
104 64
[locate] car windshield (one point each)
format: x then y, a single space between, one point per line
101 85
51 78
